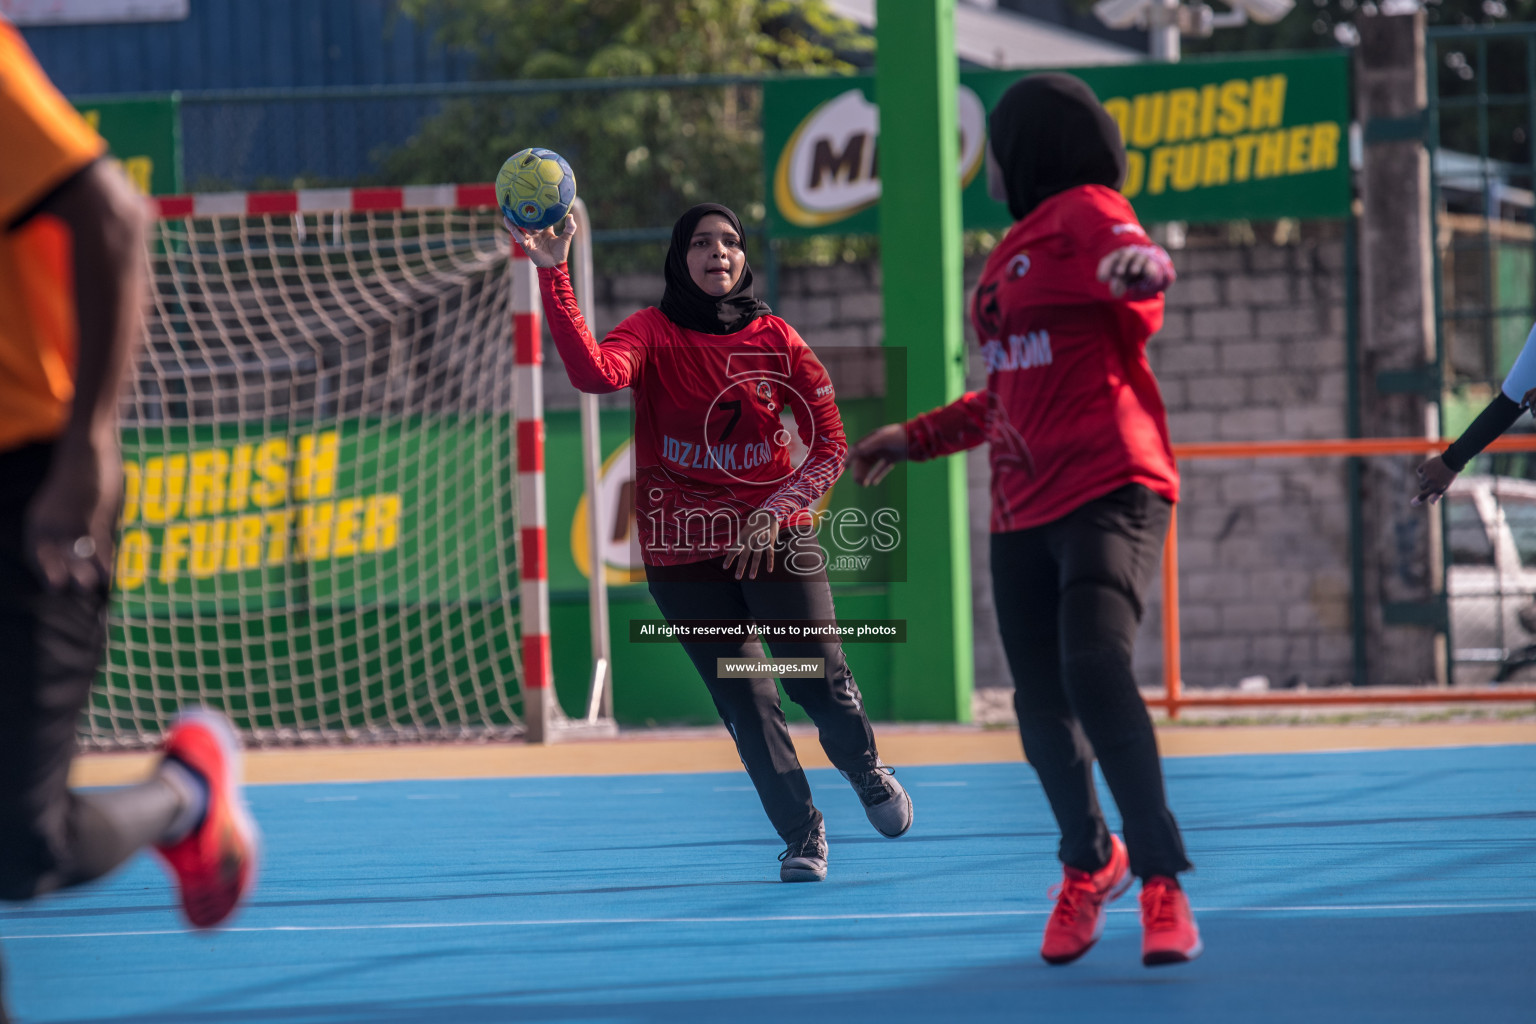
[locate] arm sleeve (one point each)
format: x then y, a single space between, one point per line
824 437
948 429
1499 415
1522 376
593 368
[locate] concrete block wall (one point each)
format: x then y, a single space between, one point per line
1252 349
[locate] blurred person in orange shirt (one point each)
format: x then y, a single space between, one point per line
72 286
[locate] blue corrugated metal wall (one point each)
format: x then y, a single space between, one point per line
265 44
239 44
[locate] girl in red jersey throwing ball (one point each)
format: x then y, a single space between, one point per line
723 512
1083 483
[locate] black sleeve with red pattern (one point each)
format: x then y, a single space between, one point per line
948 429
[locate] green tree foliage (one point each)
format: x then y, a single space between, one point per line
640 156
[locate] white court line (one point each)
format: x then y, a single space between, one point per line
327 799
764 919
637 792
555 922
733 789
518 796
432 796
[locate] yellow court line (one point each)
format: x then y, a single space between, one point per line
638 754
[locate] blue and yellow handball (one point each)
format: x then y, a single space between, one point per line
535 188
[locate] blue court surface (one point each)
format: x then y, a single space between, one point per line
1379 886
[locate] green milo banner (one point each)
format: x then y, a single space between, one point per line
146 136
1206 140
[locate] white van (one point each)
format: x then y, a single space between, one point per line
1491 538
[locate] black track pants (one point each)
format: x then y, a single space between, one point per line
50 647
1069 600
750 706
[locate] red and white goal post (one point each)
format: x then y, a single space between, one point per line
334 521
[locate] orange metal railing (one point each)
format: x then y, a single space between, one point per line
1175 698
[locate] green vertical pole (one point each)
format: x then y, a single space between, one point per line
916 79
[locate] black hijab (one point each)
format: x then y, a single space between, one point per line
688 305
1050 133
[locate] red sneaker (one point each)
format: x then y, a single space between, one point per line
1168 932
1078 920
215 863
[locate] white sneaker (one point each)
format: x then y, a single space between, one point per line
806 860
886 804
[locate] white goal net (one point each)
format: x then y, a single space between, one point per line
319 534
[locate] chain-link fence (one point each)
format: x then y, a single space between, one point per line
1482 120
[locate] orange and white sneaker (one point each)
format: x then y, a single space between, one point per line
1078 920
1168 932
214 863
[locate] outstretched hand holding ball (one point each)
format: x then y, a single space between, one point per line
546 247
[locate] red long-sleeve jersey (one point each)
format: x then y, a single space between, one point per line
712 437
1071 408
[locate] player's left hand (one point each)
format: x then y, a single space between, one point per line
877 454
1125 267
760 534
72 519
1434 478
546 247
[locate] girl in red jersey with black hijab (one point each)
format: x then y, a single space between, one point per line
723 511
1083 484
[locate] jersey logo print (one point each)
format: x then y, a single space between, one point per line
987 312
732 458
1018 266
1023 352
